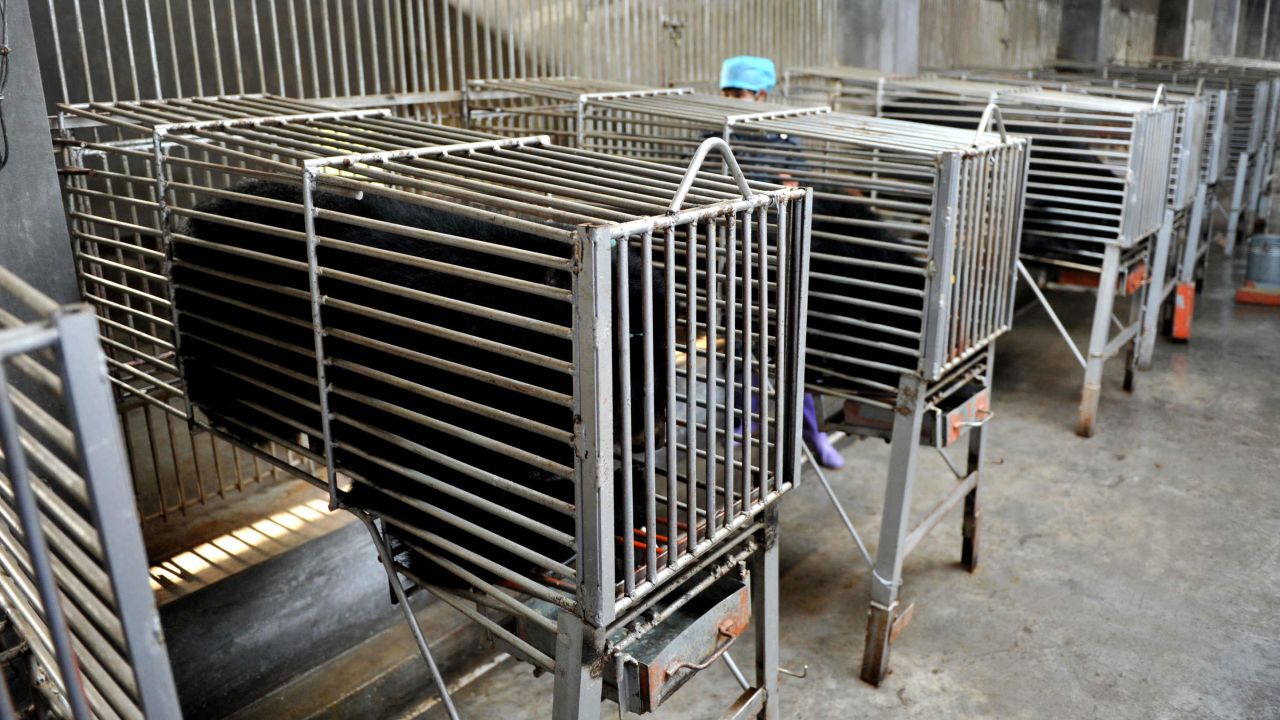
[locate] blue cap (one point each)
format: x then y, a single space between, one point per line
747 72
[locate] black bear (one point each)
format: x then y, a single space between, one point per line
420 409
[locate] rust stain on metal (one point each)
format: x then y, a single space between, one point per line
901 622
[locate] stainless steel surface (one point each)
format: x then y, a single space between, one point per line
1263 260
950 200
1099 180
415 55
75 585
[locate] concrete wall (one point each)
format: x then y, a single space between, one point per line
1223 26
1201 28
33 233
1132 30
1259 33
1012 33
880 34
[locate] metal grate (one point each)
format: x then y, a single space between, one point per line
416 54
74 582
1091 170
474 410
1249 116
898 205
1098 165
1098 181
848 89
109 190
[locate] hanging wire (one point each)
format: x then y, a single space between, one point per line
4 80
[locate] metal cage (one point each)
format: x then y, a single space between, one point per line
625 417
1096 192
847 89
415 55
928 185
1253 111
1199 140
108 182
74 586
915 243
1177 257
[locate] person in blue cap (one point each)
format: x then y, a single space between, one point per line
747 77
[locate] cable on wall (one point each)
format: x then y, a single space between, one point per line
4 80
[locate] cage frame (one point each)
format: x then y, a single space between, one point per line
1125 259
75 584
751 539
954 396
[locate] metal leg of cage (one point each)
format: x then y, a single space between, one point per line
1237 202
897 540
764 611
1053 316
971 520
1155 291
1258 186
1137 311
835 503
883 615
388 564
579 679
1096 356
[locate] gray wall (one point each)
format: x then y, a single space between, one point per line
1012 33
1184 28
1132 29
33 233
880 34
1224 26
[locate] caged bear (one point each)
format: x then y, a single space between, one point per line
406 335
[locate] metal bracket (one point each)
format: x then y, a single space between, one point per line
835 502
1048 308
988 414
388 564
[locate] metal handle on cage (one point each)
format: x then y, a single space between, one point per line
991 111
1155 101
720 651
699 157
987 415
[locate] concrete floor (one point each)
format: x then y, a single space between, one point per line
1133 575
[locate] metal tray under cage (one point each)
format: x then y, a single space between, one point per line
529 367
897 206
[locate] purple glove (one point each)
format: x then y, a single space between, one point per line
823 450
